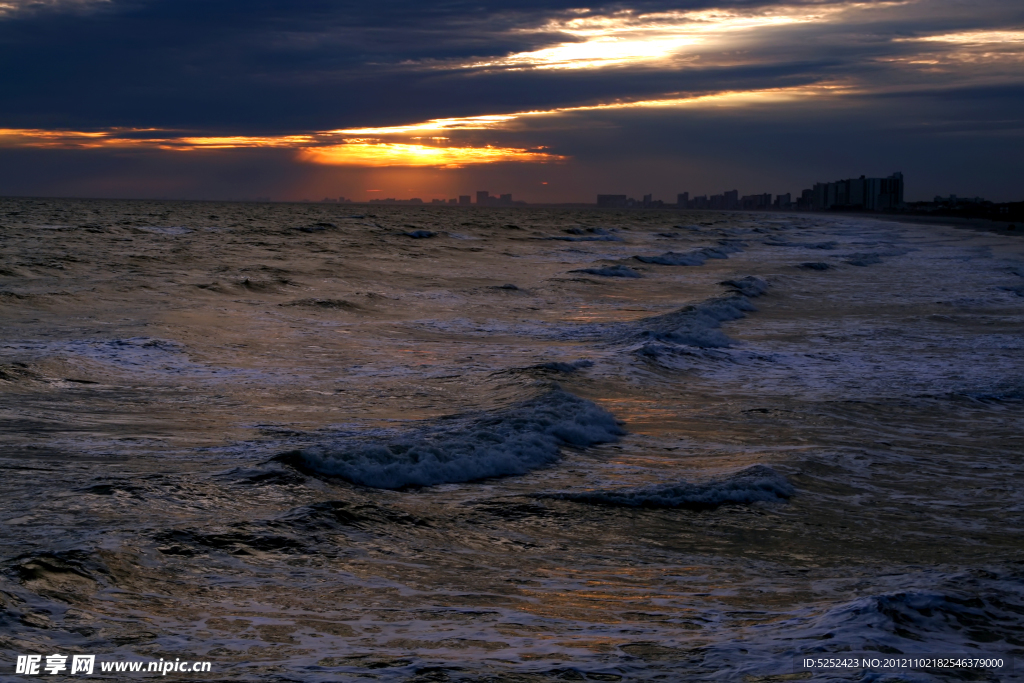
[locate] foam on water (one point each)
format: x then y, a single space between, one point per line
832 244
699 325
512 441
134 353
609 271
560 366
750 485
888 397
696 257
962 616
749 286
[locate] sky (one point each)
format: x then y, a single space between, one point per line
550 100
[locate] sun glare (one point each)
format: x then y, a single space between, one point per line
401 154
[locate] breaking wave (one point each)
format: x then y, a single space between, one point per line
513 441
699 325
696 257
747 286
754 484
609 271
560 366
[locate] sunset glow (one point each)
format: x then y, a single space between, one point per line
400 148
140 138
401 154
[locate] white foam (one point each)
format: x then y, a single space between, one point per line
672 258
749 286
138 355
696 257
694 325
609 271
513 441
559 366
753 484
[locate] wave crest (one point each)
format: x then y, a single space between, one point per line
751 485
514 441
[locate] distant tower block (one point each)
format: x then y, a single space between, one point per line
873 194
483 197
465 199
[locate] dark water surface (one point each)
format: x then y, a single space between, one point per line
321 442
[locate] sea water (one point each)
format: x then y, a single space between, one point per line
315 442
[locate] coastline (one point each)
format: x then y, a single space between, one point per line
976 224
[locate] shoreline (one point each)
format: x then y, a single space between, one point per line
1009 228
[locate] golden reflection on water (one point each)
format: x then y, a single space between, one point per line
595 314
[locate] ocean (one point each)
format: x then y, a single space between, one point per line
330 442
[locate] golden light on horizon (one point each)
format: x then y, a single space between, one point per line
37 137
403 154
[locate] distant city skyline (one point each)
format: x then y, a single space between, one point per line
870 194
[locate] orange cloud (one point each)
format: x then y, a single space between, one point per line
394 145
318 148
34 137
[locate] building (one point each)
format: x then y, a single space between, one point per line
465 199
867 194
484 198
783 201
805 202
683 200
756 202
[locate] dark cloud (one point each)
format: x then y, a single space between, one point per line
274 67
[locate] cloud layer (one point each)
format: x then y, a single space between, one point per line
548 86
